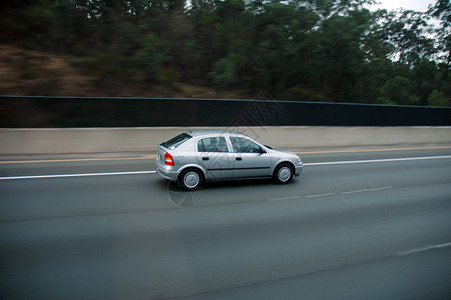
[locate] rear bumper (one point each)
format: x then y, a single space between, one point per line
165 172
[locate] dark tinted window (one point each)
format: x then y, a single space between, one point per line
242 145
214 144
176 141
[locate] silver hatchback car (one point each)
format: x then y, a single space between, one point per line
195 157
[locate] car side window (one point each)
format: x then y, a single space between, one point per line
212 144
242 145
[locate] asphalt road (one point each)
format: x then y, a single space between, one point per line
355 225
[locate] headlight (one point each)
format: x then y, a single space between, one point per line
298 159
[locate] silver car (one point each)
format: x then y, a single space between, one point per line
195 157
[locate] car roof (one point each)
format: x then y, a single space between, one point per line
196 133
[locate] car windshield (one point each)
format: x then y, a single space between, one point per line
176 141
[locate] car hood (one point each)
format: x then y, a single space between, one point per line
283 151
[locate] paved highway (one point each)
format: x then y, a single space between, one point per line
366 224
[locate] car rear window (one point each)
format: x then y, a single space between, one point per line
176 141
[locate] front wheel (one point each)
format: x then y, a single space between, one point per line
283 173
190 179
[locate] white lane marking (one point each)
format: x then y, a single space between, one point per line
443 245
152 172
421 249
380 189
375 160
332 193
416 250
353 192
320 195
286 198
76 175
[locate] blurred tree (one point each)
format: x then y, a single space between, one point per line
442 11
342 57
406 32
329 50
399 91
281 42
224 73
438 99
148 59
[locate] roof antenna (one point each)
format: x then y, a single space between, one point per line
189 130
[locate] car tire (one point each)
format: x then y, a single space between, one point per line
283 173
190 179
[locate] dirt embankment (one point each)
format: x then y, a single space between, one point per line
30 72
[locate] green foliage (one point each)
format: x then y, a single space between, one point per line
438 99
302 94
147 59
384 101
100 67
442 11
225 71
312 50
399 91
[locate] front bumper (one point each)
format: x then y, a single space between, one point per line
298 169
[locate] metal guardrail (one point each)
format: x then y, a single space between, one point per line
61 112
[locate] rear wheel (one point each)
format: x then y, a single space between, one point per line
283 173
190 179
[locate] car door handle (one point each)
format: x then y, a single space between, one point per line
238 158
205 158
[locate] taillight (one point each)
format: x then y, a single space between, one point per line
168 159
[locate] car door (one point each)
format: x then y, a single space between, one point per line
214 155
250 159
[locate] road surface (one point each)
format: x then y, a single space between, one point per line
355 225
